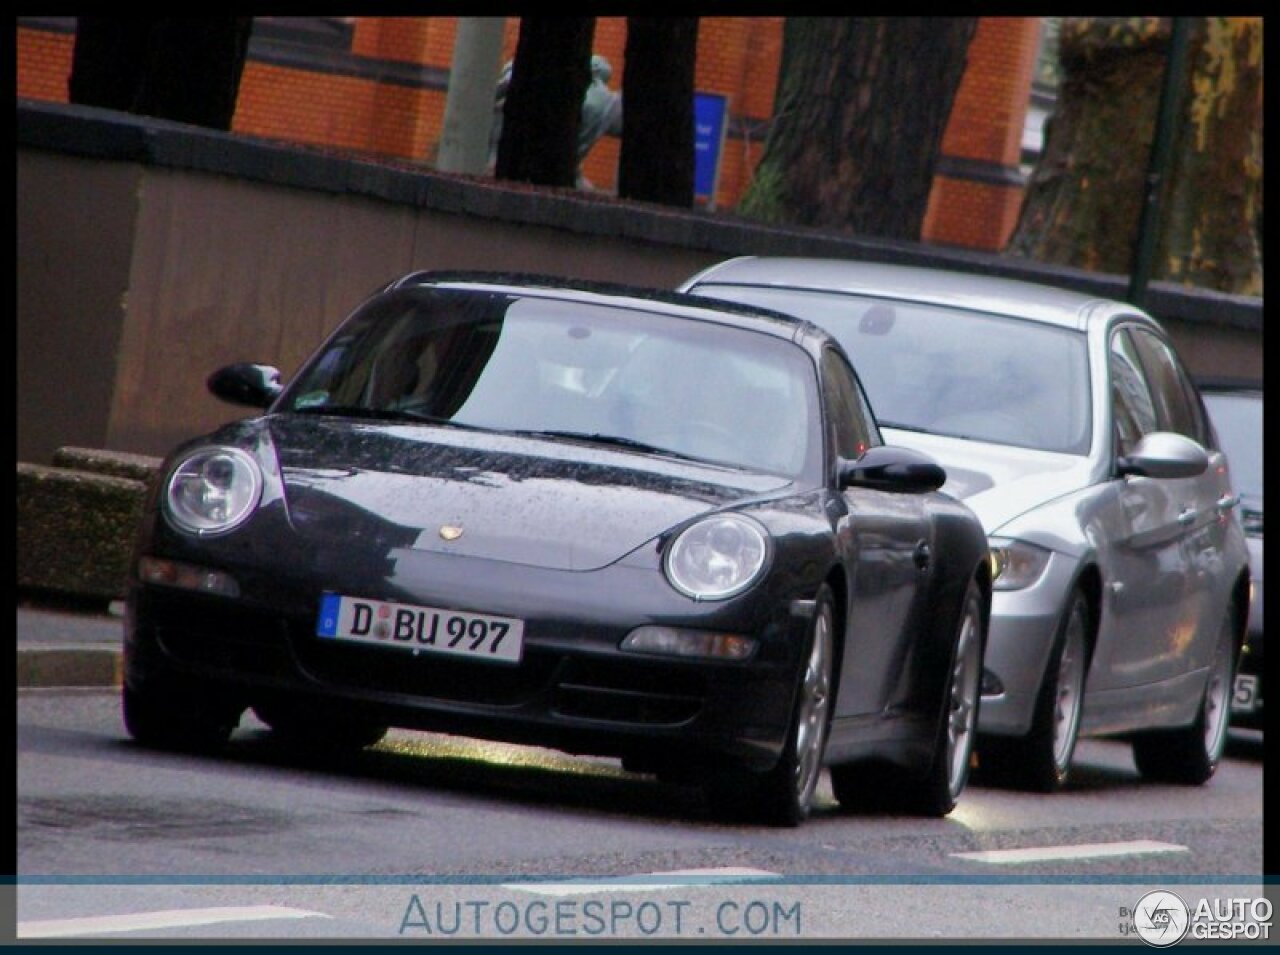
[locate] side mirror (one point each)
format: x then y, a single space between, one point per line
1163 454
246 384
887 468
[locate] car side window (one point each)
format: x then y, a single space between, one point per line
1177 405
1133 410
852 427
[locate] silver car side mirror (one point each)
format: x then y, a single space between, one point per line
1163 454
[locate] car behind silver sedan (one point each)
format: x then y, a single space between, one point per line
1069 425
1235 408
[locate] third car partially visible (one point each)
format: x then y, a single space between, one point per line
1235 407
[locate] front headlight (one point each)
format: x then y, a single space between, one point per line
1016 564
212 491
717 557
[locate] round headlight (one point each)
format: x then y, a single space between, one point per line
717 557
212 491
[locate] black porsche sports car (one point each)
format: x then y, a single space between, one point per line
600 519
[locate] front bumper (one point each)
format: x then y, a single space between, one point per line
1024 624
572 690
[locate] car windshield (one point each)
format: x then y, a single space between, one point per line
573 371
952 371
1237 418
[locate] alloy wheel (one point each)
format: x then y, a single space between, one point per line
965 675
811 720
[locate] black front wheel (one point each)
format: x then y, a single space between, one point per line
886 788
784 795
319 731
939 791
189 720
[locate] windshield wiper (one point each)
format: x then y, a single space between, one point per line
377 414
614 440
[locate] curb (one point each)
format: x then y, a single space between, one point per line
69 666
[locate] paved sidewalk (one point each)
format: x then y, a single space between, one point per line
62 648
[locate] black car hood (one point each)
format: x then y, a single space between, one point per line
550 503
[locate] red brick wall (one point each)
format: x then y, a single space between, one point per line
44 64
986 125
737 56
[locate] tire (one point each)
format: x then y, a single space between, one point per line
1190 755
187 721
941 788
1041 760
783 796
882 787
317 732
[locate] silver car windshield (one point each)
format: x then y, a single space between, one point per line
951 371
572 370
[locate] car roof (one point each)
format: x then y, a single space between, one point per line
985 293
750 317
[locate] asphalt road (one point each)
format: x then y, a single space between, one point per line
434 837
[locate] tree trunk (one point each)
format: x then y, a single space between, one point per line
544 101
107 61
1213 211
186 70
856 134
1084 202
657 161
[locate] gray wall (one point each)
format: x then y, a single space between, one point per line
151 253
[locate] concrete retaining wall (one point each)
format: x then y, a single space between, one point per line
151 253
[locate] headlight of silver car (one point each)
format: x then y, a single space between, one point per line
717 557
1016 564
212 491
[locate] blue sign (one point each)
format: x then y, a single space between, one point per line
710 119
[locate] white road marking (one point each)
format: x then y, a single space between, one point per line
151 921
650 882
1096 850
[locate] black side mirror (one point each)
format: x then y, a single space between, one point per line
887 468
246 384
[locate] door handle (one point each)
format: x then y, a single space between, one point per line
1228 501
1188 516
920 556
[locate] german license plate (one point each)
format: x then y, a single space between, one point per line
1245 698
420 629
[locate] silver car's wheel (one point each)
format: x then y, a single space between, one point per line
1041 760
1190 754
1069 691
1216 713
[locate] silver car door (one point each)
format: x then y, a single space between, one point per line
1146 621
1204 501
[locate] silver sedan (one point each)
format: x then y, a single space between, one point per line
1069 425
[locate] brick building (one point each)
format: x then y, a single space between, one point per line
377 85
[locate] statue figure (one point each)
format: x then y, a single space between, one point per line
601 112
